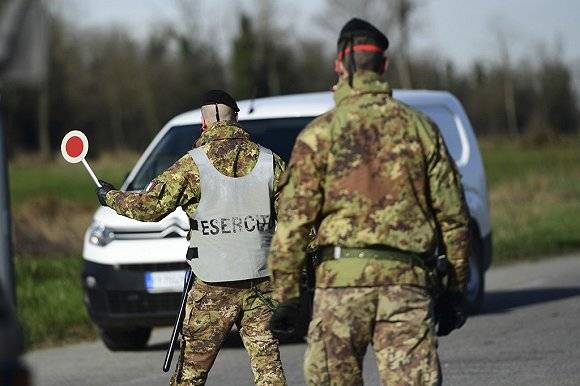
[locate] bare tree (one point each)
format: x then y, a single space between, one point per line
268 30
191 15
402 19
508 78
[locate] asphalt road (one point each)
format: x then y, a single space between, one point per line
527 335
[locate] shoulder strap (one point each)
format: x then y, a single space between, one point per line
198 155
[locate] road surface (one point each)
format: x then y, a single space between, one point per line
528 334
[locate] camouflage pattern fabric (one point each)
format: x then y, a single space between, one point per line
232 153
396 320
211 311
230 150
370 172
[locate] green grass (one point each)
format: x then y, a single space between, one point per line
50 296
30 178
50 301
535 197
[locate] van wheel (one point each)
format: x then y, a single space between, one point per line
475 288
118 339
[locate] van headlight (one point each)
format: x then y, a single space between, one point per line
100 235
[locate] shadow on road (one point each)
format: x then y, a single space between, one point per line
157 347
505 301
495 302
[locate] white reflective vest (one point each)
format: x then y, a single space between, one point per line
233 225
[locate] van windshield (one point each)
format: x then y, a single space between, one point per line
277 135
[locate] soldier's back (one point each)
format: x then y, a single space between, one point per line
376 151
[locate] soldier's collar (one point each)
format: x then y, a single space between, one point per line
221 130
364 82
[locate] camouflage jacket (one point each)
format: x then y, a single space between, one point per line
230 150
370 172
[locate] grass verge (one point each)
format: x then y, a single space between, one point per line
50 301
534 197
31 178
53 202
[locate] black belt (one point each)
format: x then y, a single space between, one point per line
377 253
250 283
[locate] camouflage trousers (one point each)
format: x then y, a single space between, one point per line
396 320
211 311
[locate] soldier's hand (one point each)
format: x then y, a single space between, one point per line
103 190
450 313
285 319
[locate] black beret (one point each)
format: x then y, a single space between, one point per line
359 28
213 97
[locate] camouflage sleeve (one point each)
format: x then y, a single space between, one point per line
279 170
177 186
448 203
300 204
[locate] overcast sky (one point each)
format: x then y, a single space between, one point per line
460 30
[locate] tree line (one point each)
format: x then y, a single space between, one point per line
121 90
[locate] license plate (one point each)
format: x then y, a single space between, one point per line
166 281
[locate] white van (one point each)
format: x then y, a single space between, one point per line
133 271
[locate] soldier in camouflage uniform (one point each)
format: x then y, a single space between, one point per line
213 307
375 178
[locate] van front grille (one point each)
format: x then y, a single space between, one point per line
133 302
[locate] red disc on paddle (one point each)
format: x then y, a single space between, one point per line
74 146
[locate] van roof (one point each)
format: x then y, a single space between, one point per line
307 105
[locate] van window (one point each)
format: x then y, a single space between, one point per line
445 120
175 143
277 135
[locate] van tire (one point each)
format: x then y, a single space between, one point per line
475 289
120 339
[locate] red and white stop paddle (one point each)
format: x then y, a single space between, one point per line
74 148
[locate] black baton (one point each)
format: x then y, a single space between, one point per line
178 322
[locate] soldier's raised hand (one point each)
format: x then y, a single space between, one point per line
103 190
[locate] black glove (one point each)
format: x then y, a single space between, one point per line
285 319
450 313
103 190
